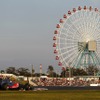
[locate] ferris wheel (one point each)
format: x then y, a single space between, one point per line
77 38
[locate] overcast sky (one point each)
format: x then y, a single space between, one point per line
26 30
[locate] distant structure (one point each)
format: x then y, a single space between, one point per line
77 38
40 69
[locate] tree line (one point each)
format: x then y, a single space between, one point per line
65 72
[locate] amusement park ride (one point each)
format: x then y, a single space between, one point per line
77 38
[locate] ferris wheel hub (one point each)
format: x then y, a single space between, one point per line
88 45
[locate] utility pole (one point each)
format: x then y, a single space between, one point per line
40 69
32 72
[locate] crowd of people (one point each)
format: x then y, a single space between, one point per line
65 82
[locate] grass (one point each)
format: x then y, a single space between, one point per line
51 95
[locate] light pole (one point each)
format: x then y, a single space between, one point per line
70 74
32 72
40 69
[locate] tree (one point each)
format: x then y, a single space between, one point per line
50 70
2 71
79 72
11 70
24 71
92 70
73 72
66 72
63 73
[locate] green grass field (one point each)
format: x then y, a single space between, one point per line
50 95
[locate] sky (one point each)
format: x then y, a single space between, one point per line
26 31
